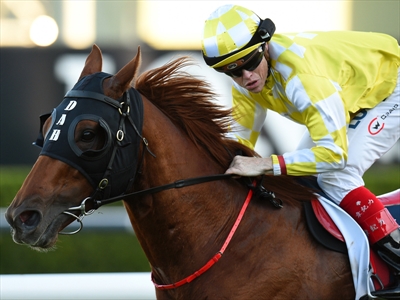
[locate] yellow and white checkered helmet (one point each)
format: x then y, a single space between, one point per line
229 34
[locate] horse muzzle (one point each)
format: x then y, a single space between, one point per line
29 227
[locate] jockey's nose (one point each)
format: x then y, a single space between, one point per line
246 73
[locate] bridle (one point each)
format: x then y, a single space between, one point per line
124 111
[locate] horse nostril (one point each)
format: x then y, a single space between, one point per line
30 218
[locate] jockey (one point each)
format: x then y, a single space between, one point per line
343 86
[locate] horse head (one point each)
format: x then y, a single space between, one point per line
79 141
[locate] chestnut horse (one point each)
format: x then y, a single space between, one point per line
176 132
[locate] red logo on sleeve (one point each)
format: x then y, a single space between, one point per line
375 126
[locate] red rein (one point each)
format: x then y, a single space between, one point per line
216 257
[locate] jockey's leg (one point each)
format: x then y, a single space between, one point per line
370 134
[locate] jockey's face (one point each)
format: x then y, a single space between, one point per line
254 80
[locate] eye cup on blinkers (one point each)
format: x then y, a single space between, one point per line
91 153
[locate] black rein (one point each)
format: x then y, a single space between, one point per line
175 185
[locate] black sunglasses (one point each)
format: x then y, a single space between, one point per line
249 62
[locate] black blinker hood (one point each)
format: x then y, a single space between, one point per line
116 162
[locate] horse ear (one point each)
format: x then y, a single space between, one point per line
116 85
93 62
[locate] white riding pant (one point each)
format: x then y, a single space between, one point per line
370 134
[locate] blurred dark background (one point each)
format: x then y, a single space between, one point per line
34 78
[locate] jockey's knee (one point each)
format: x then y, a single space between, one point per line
339 183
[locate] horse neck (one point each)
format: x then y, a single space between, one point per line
185 223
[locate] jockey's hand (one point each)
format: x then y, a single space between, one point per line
250 166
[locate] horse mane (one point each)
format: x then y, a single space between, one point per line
190 103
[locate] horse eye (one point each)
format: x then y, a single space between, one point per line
87 136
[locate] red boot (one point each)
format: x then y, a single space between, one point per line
381 229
